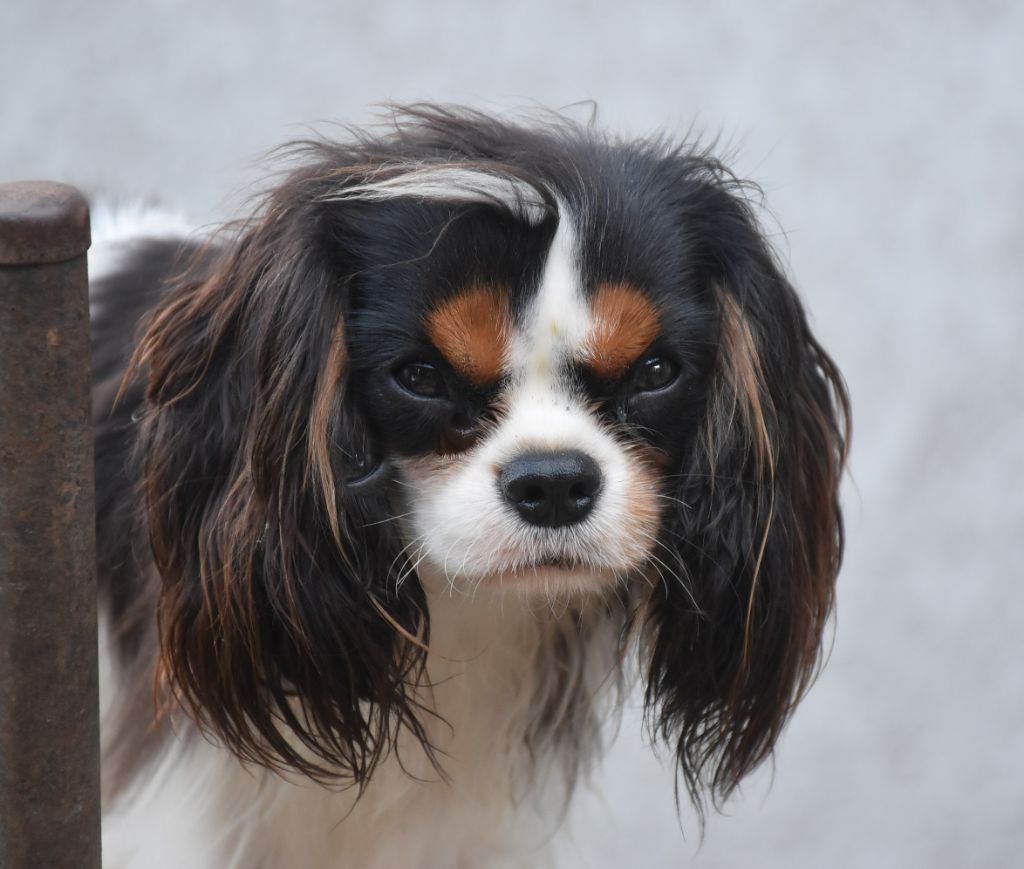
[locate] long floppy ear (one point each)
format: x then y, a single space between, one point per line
758 537
279 629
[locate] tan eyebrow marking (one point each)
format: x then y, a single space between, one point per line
473 330
625 323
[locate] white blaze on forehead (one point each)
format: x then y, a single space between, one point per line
449 182
558 321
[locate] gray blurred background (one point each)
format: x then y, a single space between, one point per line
889 138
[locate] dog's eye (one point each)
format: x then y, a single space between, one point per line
655 373
422 378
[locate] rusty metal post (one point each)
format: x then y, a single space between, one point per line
49 730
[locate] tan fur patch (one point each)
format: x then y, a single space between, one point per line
472 330
745 378
625 324
742 368
643 514
319 443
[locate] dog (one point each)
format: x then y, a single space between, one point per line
406 479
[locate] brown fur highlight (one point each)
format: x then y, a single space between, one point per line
472 330
625 324
742 370
319 444
741 367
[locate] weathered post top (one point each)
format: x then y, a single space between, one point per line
42 222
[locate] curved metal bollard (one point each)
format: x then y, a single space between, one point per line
49 730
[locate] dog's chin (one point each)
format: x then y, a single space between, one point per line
552 580
548 579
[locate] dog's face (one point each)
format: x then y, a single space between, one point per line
474 357
532 384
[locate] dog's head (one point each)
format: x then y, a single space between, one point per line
475 358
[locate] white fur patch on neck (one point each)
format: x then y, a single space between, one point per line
450 182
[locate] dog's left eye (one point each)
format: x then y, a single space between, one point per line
422 378
655 372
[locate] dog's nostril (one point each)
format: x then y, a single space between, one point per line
533 493
551 489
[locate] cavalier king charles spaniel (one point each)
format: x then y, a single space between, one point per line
406 479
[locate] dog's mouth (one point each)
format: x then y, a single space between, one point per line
559 563
552 564
552 575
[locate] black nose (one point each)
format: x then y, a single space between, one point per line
551 489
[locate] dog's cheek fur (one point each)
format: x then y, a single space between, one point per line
277 629
757 535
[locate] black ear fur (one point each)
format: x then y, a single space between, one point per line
759 541
277 616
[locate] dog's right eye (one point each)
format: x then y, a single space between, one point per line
655 374
421 378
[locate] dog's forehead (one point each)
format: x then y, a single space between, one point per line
488 329
543 279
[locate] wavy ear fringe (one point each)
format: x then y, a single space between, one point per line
736 642
279 629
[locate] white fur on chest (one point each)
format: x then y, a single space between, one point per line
196 806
